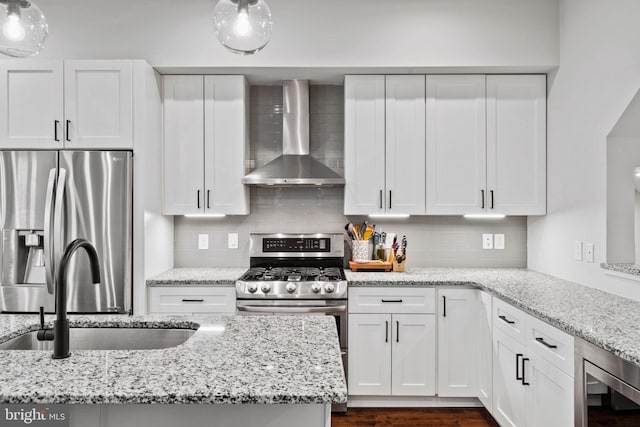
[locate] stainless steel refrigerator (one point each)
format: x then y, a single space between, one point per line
47 200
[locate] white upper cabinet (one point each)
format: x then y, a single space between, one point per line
183 145
98 104
205 142
31 113
66 104
516 144
364 151
405 145
456 144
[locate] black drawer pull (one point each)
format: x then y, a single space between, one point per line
511 322
518 377
546 344
192 300
524 382
391 300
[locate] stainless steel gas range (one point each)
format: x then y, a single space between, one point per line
296 274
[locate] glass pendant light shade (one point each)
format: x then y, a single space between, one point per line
23 28
243 26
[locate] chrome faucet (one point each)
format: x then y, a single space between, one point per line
60 335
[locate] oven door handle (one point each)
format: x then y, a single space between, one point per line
291 309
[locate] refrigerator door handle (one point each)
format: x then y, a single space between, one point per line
58 226
48 237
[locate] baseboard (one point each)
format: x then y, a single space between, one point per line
412 402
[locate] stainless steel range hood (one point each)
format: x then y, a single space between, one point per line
295 167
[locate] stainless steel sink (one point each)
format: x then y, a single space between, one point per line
106 339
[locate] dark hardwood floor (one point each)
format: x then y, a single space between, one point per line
414 417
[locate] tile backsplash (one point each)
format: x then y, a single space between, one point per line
432 241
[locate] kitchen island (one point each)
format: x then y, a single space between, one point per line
233 371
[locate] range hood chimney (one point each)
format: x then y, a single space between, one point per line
295 167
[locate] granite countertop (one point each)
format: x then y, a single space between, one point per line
606 320
627 268
229 359
197 276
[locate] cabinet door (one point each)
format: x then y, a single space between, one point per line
98 104
225 136
485 352
183 145
369 354
456 145
516 144
508 392
405 144
458 327
31 110
549 395
413 355
364 145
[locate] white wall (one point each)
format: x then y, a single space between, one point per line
313 33
599 74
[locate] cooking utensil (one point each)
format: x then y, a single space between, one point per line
349 229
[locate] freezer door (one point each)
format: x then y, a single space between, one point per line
98 207
23 199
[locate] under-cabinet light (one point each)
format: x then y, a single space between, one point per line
484 216
205 215
390 216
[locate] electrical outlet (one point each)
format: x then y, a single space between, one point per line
588 252
577 250
498 241
487 241
203 241
232 240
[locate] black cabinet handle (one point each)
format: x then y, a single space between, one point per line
397 331
511 322
198 195
444 306
391 300
482 198
524 382
491 193
192 300
518 356
66 137
56 123
389 199
208 199
380 199
386 331
546 344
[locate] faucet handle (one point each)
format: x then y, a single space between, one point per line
41 317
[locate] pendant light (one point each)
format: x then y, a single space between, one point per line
243 26
23 28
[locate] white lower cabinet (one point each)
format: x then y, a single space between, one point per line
458 342
532 371
485 351
187 299
392 352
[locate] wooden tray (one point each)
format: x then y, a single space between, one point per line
370 266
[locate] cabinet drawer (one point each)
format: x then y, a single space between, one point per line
192 299
392 300
551 344
510 320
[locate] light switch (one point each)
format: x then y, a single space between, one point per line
498 241
232 240
577 250
487 241
203 241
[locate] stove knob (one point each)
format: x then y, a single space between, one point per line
266 287
315 287
252 287
329 287
291 287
